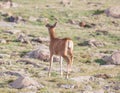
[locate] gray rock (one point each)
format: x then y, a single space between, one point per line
4 56
23 38
83 78
13 31
113 59
41 39
106 87
67 86
31 18
6 24
23 82
88 87
8 4
3 41
41 53
113 11
95 43
42 19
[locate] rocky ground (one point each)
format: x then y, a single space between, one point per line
94 27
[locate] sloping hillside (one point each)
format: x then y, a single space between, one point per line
24 41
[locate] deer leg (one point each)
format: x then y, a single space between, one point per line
71 59
68 65
51 61
61 60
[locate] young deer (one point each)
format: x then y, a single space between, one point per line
62 47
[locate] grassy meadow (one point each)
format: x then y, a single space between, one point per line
86 62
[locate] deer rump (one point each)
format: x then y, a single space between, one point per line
61 46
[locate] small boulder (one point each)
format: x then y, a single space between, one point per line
95 43
3 41
42 19
66 86
83 78
23 82
113 11
41 39
4 56
104 76
23 38
12 31
8 4
15 19
41 53
31 18
113 59
6 24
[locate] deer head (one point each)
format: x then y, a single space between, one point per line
51 26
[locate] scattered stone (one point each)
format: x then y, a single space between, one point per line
113 11
73 22
113 59
92 43
104 76
6 24
4 56
66 2
41 53
15 19
23 38
5 14
24 82
42 19
46 69
95 43
14 54
83 78
41 39
3 41
115 23
8 4
66 86
117 86
31 18
96 4
28 62
100 81
12 19
108 66
106 87
99 32
88 87
12 31
12 73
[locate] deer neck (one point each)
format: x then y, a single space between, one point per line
52 34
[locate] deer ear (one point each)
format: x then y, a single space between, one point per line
55 24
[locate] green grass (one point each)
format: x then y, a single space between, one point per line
84 62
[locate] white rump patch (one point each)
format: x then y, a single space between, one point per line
70 44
